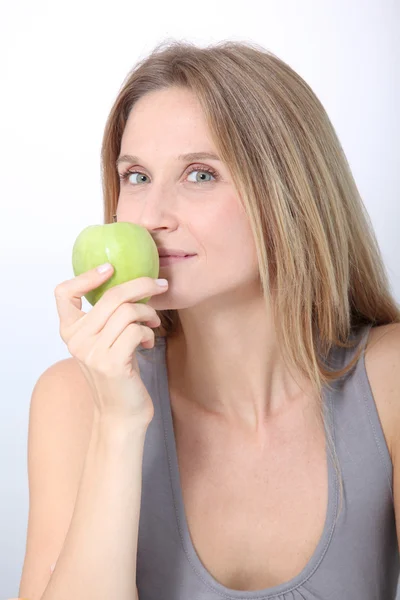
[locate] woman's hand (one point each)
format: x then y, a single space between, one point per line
104 340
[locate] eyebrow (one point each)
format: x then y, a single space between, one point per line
182 157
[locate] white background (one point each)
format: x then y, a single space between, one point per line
61 65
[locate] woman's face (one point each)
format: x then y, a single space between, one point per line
189 204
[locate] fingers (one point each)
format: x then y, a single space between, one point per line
69 294
84 342
69 300
126 315
130 291
132 336
112 360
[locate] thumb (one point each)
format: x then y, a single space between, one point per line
69 293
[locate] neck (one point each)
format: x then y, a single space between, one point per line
238 377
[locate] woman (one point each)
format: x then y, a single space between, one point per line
231 438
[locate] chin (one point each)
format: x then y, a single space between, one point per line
164 302
166 305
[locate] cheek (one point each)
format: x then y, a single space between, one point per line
227 241
126 210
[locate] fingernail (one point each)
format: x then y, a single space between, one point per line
103 268
162 282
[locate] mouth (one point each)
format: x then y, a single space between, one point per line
170 260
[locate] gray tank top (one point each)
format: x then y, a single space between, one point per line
357 556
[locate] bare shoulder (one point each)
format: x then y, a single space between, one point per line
62 392
68 372
62 398
382 364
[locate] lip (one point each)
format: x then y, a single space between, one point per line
173 252
170 260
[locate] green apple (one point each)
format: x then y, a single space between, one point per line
127 246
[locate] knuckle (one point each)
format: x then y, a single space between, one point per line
132 311
73 346
112 294
145 284
146 281
148 332
149 314
135 330
59 290
77 347
155 314
139 287
63 333
66 332
132 328
145 312
135 333
136 311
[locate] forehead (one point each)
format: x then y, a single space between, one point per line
174 98
165 117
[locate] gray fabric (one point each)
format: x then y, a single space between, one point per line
357 557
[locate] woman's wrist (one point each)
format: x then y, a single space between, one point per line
118 427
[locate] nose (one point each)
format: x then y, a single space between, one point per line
162 220
157 209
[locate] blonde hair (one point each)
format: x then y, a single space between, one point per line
319 260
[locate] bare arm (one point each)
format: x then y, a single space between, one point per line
98 559
95 535
84 491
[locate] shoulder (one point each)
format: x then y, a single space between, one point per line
382 364
61 411
65 368
62 392
65 372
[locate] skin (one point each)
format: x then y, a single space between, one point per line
230 365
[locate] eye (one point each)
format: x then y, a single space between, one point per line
126 176
207 176
204 174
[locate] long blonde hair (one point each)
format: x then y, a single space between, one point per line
318 257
